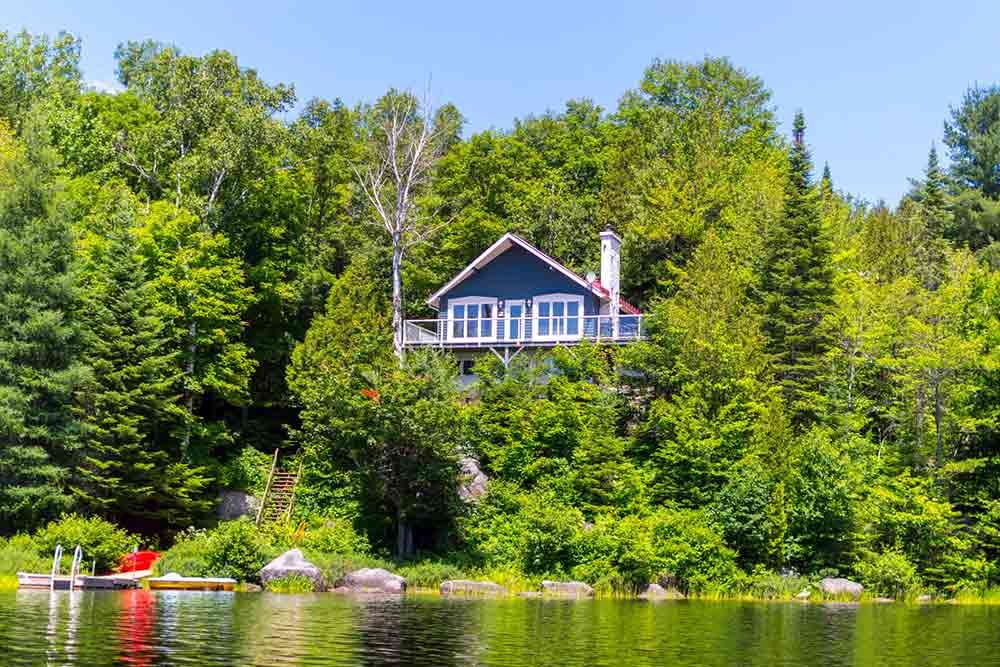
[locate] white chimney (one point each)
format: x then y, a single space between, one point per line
611 245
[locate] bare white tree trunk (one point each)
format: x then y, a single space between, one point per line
406 144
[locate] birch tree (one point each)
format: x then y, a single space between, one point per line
406 139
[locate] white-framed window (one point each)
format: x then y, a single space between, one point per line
472 318
558 317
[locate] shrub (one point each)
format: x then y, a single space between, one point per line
624 555
765 584
246 472
188 557
335 536
430 574
101 541
533 532
20 554
233 549
888 574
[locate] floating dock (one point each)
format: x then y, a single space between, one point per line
32 581
175 582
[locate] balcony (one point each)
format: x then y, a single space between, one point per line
523 331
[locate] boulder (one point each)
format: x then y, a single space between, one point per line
884 600
836 587
473 481
669 581
466 587
252 588
370 580
232 505
924 599
292 563
531 594
658 592
567 589
803 594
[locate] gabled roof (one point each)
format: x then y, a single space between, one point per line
502 245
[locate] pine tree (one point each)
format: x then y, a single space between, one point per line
40 339
798 288
934 215
131 470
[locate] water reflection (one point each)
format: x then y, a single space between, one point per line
142 628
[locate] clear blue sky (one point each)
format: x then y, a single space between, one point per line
874 78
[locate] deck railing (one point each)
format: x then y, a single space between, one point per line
522 331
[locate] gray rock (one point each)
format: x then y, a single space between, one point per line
669 581
371 580
567 589
252 588
531 594
658 592
924 599
474 481
289 564
466 587
884 600
234 504
837 587
803 594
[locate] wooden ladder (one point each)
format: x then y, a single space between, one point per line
279 494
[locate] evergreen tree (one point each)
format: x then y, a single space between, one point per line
40 366
798 287
131 470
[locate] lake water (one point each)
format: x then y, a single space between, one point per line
146 628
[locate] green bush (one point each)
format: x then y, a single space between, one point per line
236 549
767 585
888 574
430 574
533 532
623 555
188 556
233 549
101 541
20 554
335 536
246 472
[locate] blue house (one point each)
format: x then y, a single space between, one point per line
515 297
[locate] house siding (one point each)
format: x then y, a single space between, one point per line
517 274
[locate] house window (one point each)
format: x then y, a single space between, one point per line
466 366
472 318
558 316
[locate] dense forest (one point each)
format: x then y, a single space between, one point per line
191 276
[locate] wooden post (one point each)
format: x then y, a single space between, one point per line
267 489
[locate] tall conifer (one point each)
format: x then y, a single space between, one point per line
131 470
798 287
40 339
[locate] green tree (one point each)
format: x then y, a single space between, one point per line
40 337
131 470
972 136
797 288
36 69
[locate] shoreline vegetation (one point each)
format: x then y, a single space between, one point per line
203 280
237 549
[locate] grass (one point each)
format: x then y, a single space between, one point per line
8 582
292 584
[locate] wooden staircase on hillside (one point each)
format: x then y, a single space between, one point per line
279 494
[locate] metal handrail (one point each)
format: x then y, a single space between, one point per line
75 568
621 328
56 560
